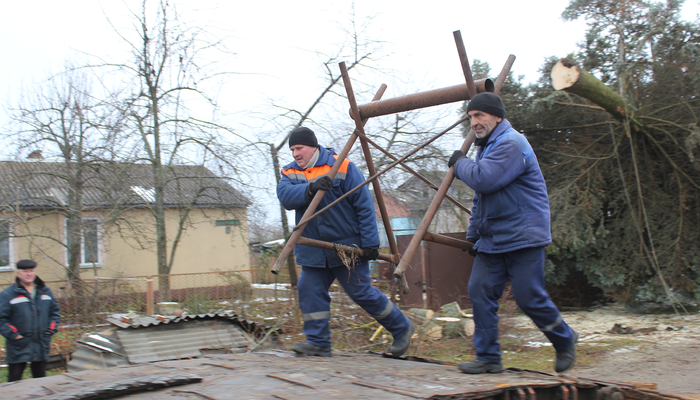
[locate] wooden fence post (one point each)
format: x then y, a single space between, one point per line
149 296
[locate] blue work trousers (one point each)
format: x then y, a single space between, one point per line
315 301
525 268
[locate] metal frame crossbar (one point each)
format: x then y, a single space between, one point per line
360 115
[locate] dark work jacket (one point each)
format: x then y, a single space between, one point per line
510 207
35 319
351 222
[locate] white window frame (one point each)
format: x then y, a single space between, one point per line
98 230
10 257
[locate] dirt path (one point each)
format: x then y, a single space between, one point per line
663 348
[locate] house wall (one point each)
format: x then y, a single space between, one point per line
203 247
449 218
37 236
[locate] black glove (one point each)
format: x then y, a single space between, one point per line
455 157
323 183
471 251
371 253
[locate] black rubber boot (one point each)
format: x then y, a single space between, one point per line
308 349
400 345
567 358
481 367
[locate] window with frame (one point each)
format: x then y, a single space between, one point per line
90 254
5 245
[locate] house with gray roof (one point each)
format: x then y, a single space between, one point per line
115 202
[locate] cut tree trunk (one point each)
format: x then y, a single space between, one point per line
451 310
421 315
454 327
568 76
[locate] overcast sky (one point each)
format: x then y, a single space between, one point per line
274 41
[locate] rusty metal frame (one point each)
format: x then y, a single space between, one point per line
360 115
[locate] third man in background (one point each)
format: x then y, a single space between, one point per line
28 318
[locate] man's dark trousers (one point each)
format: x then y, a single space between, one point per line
15 371
525 269
315 302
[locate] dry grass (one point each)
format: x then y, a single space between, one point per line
352 328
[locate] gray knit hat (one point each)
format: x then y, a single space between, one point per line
488 103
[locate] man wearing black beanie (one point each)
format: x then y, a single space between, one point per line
303 135
351 222
509 228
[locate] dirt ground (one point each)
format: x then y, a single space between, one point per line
657 348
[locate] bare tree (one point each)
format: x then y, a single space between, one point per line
163 101
361 52
65 124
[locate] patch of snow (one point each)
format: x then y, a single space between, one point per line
538 344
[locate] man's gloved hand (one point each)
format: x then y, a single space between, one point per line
323 183
455 157
371 253
471 251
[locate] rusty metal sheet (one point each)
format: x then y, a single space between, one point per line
438 274
279 374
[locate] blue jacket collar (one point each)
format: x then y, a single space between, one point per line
500 128
326 156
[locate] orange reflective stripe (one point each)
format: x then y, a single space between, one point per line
307 174
344 165
311 174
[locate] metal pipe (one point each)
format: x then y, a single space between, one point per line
430 213
359 131
296 234
416 174
305 220
440 195
430 98
448 241
504 73
350 249
466 69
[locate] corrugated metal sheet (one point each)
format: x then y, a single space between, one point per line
127 321
138 339
183 340
87 357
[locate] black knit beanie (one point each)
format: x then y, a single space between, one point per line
303 135
488 103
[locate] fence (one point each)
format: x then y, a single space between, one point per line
195 293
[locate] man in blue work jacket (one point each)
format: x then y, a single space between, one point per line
28 318
351 222
509 227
